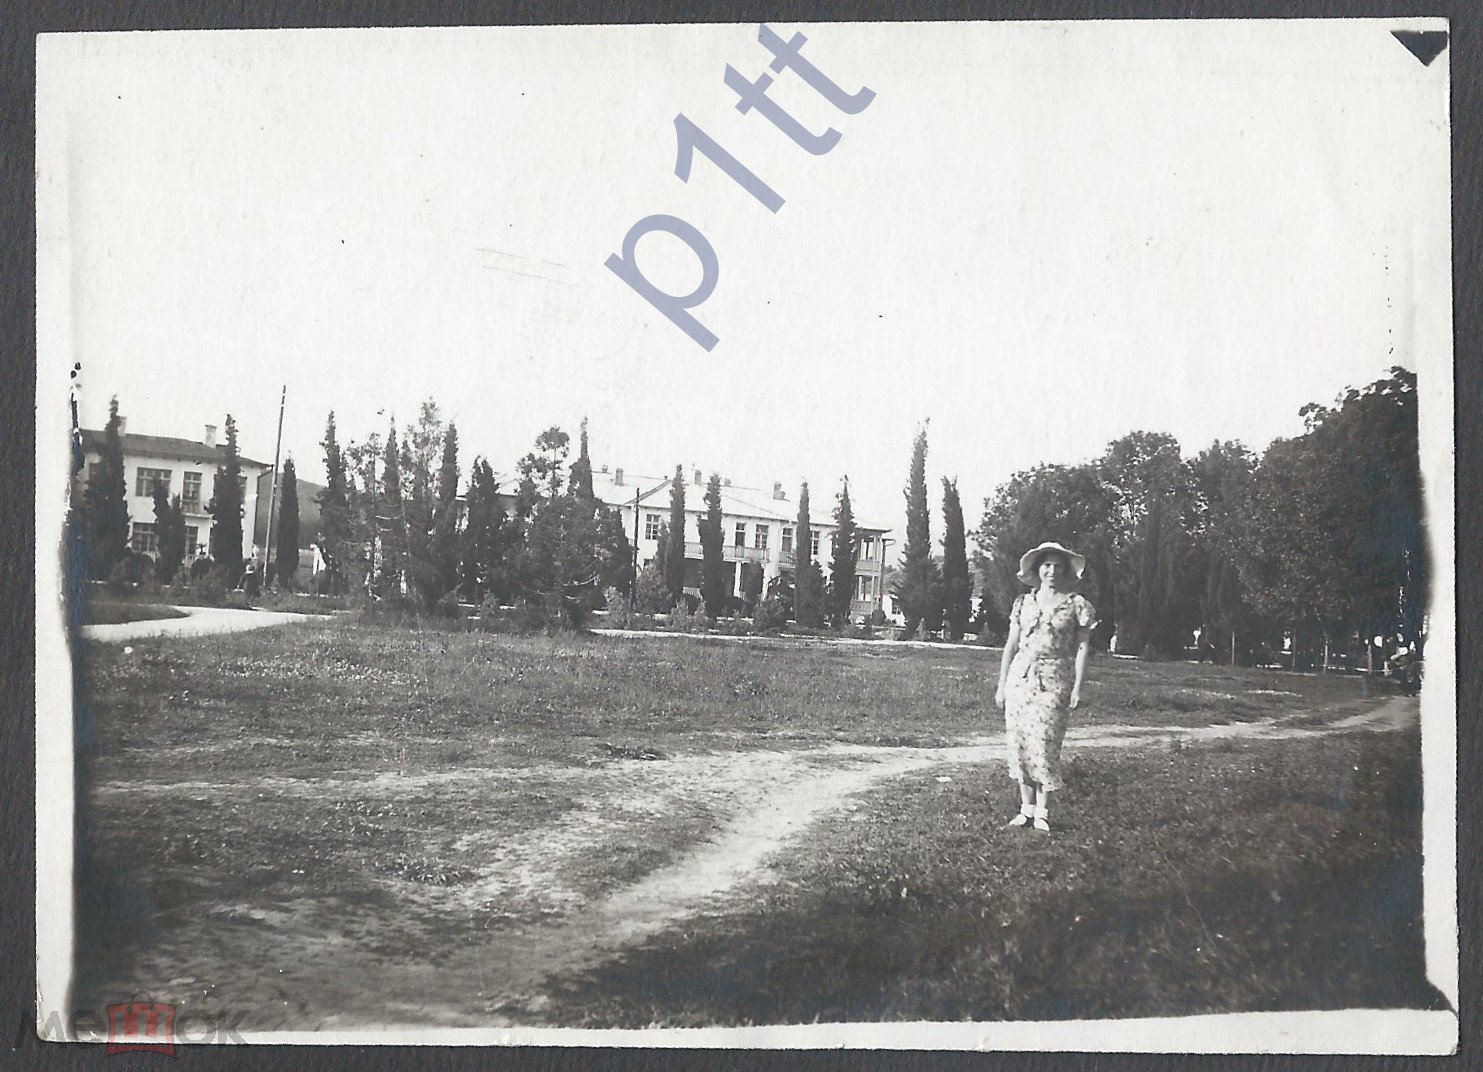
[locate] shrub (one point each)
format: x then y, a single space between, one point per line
214 586
771 615
680 618
618 616
877 618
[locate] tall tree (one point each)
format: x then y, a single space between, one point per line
1153 505
918 588
225 508
391 521
957 581
580 478
1066 503
541 468
169 525
713 586
286 544
334 510
483 571
845 550
444 543
1222 478
106 502
674 561
808 578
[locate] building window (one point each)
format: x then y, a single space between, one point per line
144 538
652 523
761 538
242 486
816 543
190 494
787 538
741 535
192 534
146 479
864 588
867 548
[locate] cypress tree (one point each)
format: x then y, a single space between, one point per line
917 588
674 549
842 564
444 544
169 524
713 566
957 582
808 603
286 542
482 537
581 474
391 519
106 502
334 509
225 509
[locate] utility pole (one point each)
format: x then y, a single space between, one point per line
273 485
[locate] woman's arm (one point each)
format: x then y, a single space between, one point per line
1011 645
1083 652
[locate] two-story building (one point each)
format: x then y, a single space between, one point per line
185 467
758 528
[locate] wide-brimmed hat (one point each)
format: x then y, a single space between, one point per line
1030 561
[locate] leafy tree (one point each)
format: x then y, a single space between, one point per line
225 509
752 576
169 523
808 579
918 588
482 541
674 548
286 543
957 582
1152 507
713 586
845 549
542 466
336 545
106 502
580 478
1069 504
391 521
1331 533
1222 478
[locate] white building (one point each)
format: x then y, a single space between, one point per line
757 528
186 468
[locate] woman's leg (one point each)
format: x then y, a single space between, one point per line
1042 808
1027 805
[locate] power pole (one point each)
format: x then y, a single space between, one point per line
273 485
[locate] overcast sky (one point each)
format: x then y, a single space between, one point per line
1039 236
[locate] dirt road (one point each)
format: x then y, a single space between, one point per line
198 621
765 800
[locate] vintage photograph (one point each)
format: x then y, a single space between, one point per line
929 535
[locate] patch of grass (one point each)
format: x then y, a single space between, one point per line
1173 884
105 613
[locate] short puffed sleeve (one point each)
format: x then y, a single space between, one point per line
1086 614
1014 611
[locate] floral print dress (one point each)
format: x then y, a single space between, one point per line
1037 693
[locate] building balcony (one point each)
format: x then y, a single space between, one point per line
729 553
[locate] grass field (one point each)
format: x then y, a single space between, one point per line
332 824
100 612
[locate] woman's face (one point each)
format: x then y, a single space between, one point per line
1054 569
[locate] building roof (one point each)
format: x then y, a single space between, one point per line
188 450
736 500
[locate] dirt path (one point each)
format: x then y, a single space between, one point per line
198 621
772 797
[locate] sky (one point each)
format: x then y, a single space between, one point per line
1036 238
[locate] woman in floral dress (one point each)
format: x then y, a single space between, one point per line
1045 657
